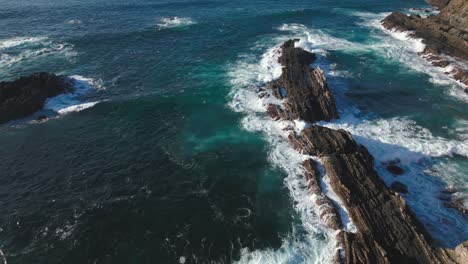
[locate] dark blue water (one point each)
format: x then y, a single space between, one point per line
175 162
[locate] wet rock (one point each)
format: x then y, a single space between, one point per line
41 117
306 90
449 190
388 232
312 175
26 95
275 111
319 141
399 187
275 88
328 212
445 33
395 169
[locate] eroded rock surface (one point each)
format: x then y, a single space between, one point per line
305 89
26 95
387 230
443 34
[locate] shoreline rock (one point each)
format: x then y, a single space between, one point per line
387 230
25 96
443 34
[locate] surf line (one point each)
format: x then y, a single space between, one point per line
4 257
386 230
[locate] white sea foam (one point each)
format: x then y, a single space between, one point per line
317 41
73 102
294 249
74 22
245 75
26 49
17 41
172 22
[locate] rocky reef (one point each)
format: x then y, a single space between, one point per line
386 229
26 95
443 34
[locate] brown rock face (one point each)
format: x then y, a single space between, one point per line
23 97
327 209
306 91
444 33
387 230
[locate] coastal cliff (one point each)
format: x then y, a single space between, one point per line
443 34
387 230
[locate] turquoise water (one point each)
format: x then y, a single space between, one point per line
175 160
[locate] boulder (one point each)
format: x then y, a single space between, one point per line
26 95
305 89
395 169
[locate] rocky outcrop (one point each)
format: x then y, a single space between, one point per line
304 89
443 34
328 212
387 230
26 95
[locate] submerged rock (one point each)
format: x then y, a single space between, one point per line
395 169
399 187
26 95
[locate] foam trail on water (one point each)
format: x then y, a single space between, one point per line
17 41
173 22
72 102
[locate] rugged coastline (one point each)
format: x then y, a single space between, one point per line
445 35
387 230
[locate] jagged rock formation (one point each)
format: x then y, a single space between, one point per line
387 230
26 95
443 34
305 89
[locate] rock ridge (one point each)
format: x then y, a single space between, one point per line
387 230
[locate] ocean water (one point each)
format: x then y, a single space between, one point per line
164 153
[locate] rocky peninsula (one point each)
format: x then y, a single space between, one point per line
387 230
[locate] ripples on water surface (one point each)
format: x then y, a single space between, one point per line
178 162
